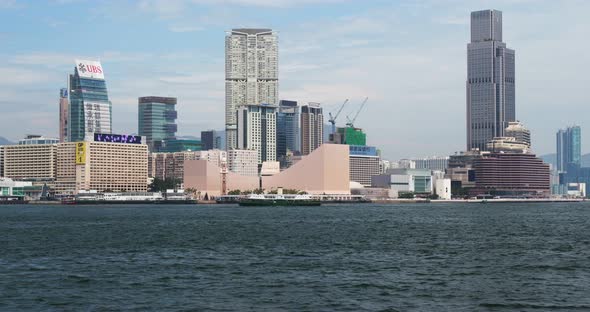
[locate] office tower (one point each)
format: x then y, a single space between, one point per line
63 115
210 139
518 131
257 130
90 110
251 74
569 147
312 127
490 80
287 128
157 120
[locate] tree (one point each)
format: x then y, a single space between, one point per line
406 195
159 185
234 192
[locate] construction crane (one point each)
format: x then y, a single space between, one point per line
350 122
332 119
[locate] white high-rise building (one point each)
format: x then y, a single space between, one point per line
257 130
251 74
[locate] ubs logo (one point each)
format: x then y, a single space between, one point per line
82 68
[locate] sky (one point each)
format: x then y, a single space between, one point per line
408 57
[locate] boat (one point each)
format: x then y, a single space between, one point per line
278 200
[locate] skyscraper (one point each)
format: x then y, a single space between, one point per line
90 110
251 73
63 115
157 120
287 128
257 130
490 80
312 127
569 147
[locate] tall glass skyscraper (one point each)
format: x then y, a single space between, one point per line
287 128
312 127
569 147
251 74
490 80
90 109
156 119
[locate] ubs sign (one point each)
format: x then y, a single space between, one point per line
89 69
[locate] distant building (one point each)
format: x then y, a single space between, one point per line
257 130
518 131
180 145
507 144
569 147
171 165
287 129
243 162
490 80
63 114
349 135
251 74
364 163
12 189
405 180
312 127
432 163
89 109
156 120
32 139
210 139
1 161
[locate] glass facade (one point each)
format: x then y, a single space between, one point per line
287 128
569 147
157 120
90 110
174 145
490 80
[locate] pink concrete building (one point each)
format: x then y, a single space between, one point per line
324 171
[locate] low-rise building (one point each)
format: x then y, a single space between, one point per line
102 167
34 162
405 180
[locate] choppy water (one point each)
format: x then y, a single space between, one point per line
494 257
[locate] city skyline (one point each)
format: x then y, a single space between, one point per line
326 66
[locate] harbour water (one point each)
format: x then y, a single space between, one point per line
414 257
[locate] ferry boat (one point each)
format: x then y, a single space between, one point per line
278 200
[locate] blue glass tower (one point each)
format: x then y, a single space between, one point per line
90 110
569 148
157 120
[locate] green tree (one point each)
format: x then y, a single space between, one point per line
234 192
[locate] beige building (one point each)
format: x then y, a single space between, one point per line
171 165
31 162
324 171
101 166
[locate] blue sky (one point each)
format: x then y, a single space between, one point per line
408 57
